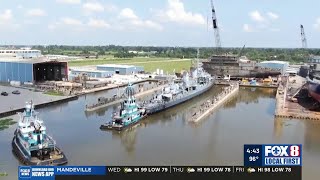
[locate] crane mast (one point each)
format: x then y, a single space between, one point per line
215 27
303 38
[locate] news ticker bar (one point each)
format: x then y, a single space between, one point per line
46 172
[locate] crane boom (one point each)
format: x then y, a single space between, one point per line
215 27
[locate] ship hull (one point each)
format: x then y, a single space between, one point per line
179 101
18 152
225 65
314 90
247 74
108 126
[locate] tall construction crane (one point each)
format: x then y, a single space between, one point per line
304 43
215 27
303 38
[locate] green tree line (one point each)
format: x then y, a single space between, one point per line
257 54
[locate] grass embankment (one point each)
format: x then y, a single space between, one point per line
5 123
54 93
149 64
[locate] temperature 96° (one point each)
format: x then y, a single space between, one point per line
253 158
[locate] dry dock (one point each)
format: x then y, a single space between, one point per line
214 103
286 108
119 100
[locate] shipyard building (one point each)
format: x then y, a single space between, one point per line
279 65
91 73
120 69
314 59
28 66
23 53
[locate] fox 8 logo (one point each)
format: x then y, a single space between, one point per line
290 151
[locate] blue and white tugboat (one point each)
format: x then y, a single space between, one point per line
129 114
31 144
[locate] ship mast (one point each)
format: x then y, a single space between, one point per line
197 61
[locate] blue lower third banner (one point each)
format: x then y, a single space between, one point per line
49 172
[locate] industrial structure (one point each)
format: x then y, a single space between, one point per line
277 65
235 66
32 71
215 27
90 73
24 53
29 66
303 38
120 69
314 59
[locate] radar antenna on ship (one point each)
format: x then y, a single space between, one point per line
129 91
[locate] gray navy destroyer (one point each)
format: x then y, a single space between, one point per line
190 86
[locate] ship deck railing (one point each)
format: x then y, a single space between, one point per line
44 145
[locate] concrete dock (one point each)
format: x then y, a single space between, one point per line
214 103
121 99
113 86
246 84
12 103
285 105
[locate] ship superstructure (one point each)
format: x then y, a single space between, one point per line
31 144
192 84
129 114
235 66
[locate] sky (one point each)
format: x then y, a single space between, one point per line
254 23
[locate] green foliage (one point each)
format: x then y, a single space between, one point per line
5 123
101 53
124 55
54 93
258 54
149 64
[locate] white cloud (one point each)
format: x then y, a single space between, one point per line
147 24
67 24
93 7
317 24
111 8
69 1
7 20
6 16
175 12
248 28
129 17
98 23
71 21
256 16
20 6
273 16
128 13
36 12
262 22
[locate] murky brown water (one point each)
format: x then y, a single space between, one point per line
168 139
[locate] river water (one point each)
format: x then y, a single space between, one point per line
167 138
